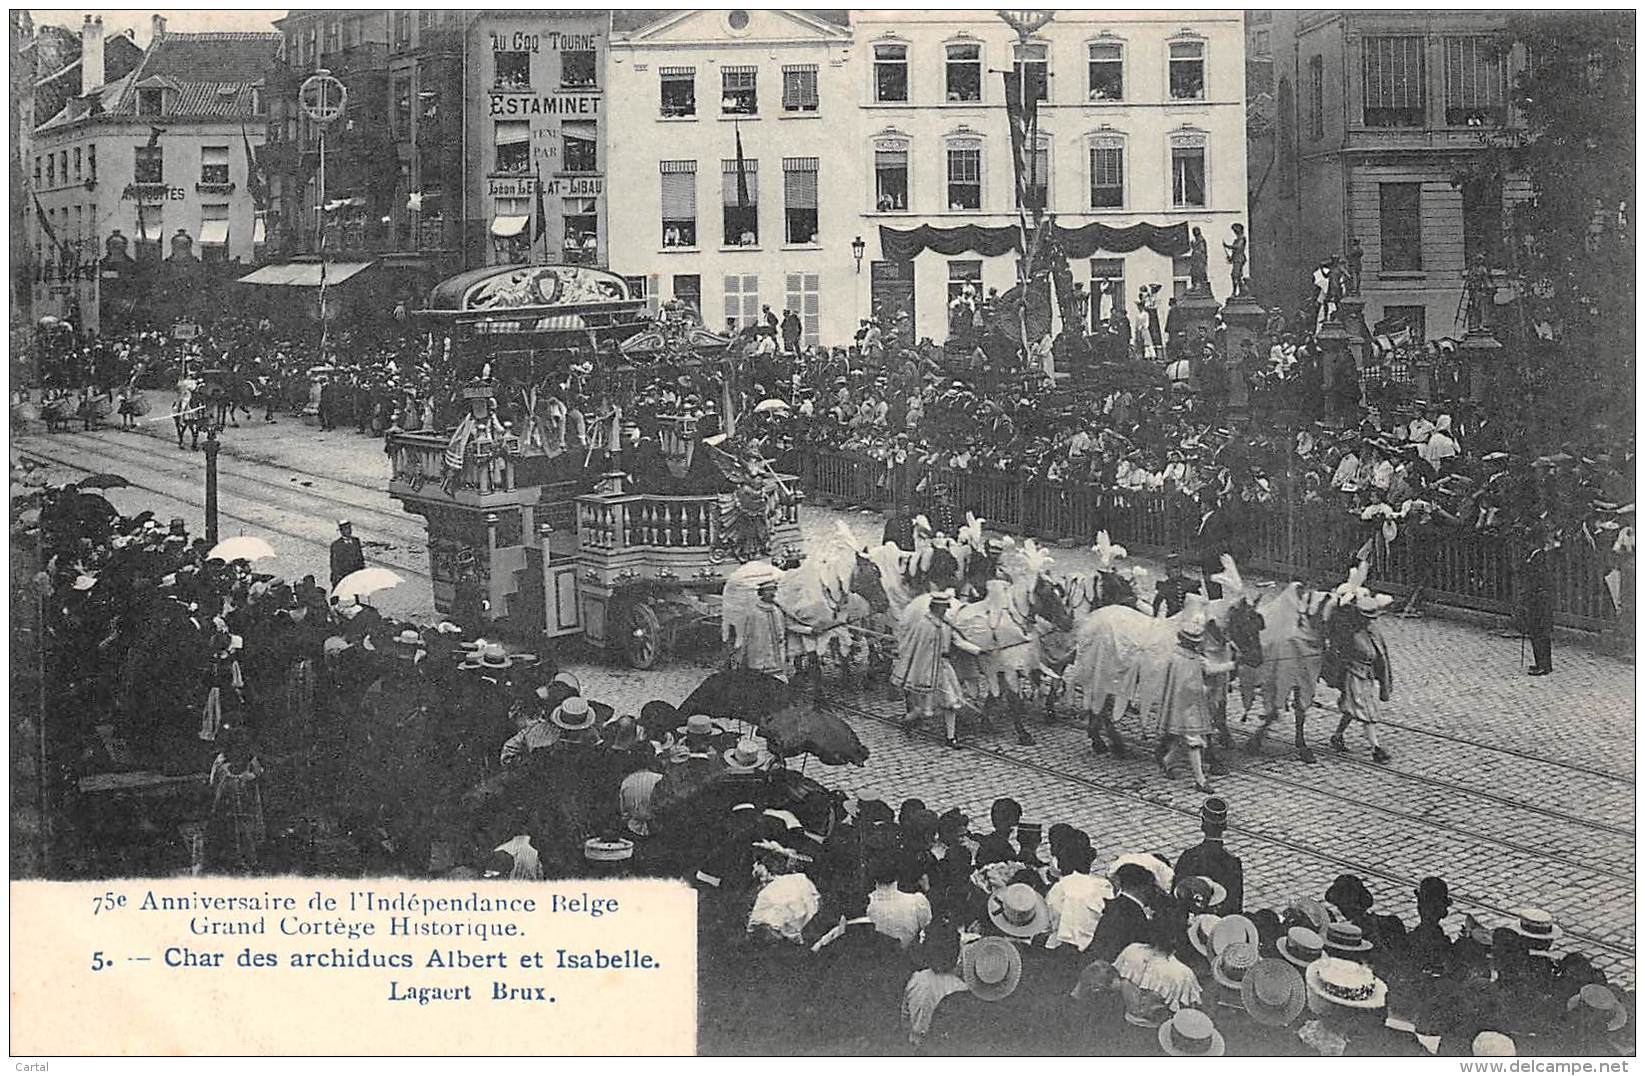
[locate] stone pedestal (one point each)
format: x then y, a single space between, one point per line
1193 311
1246 321
1481 352
1351 313
1338 379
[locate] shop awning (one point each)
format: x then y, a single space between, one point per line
305 274
508 227
213 232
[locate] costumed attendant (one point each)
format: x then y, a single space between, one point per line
761 640
1367 673
1183 700
923 670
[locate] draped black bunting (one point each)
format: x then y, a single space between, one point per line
904 244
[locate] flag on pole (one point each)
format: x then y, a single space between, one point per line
742 171
1020 112
254 173
541 228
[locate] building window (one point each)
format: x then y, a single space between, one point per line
963 276
77 164
63 165
679 203
150 102
1108 173
891 73
580 217
51 169
1395 318
1182 275
688 289
1034 191
512 70
1107 72
1188 170
964 177
737 20
800 88
679 91
1401 216
1395 82
1316 97
151 230
742 301
740 195
402 30
1482 220
1475 82
91 161
891 177
36 169
802 295
511 231
213 165
514 147
334 36
580 144
964 73
402 107
1107 290
800 199
1187 74
579 68
214 232
151 165
1029 63
740 91
1259 44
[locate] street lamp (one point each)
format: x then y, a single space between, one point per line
858 248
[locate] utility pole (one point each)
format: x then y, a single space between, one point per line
212 448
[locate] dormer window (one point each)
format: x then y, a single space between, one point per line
151 102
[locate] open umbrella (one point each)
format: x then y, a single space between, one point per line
801 730
365 582
771 405
738 695
103 481
244 547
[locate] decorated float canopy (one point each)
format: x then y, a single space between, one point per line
534 298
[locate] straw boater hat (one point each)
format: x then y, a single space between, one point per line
616 850
991 967
1199 932
1345 937
1312 909
1190 1033
1234 930
1493 1044
1273 993
749 755
408 643
1200 892
1599 999
1342 984
489 656
699 728
1233 962
1301 946
1019 911
573 714
1537 927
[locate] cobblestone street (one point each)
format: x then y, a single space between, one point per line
1517 790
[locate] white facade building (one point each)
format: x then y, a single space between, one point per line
680 92
1143 122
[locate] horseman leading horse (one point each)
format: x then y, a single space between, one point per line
1121 653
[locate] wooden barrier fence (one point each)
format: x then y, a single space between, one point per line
1451 566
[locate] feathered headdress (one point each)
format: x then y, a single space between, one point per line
1107 552
1229 577
971 533
1031 560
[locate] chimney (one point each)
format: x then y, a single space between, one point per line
91 54
159 29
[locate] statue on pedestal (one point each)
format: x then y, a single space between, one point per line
1199 272
1356 261
1236 261
1478 293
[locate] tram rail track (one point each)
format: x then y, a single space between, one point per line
1619 951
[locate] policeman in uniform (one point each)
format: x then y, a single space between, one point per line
346 554
1209 859
1174 589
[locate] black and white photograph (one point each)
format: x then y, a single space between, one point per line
1055 532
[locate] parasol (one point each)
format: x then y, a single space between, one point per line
103 481
244 547
772 405
801 730
738 695
365 582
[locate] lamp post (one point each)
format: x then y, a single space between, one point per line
212 448
858 249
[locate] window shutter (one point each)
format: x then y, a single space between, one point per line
679 190
800 182
729 186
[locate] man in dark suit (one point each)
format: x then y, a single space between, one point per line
855 994
1125 916
1209 859
346 553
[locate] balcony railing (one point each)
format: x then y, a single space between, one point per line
418 471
